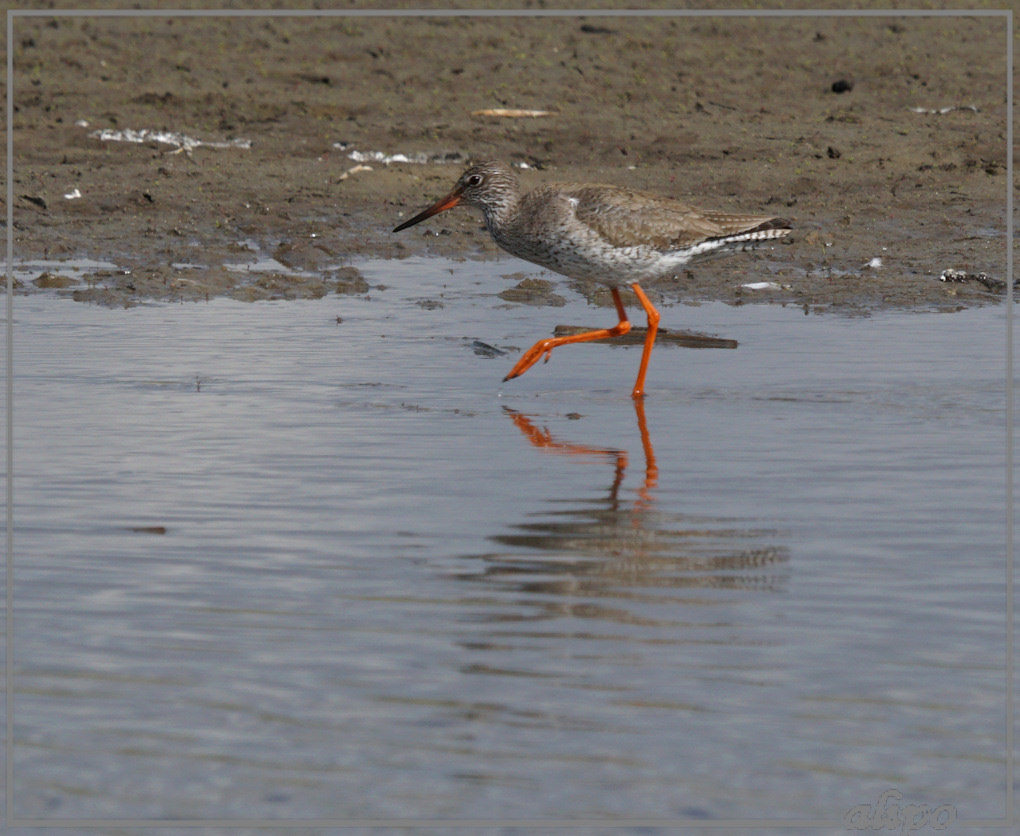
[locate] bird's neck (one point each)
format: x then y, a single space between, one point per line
500 212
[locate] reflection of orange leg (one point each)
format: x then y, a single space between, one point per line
653 327
545 347
651 468
544 439
538 437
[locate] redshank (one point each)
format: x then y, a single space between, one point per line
608 234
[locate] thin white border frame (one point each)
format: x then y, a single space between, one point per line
6 819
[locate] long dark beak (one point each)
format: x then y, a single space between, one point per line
441 205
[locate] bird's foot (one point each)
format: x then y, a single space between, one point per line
541 350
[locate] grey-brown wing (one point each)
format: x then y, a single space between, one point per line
628 218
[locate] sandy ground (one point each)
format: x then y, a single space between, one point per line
836 124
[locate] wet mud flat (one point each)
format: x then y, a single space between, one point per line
265 157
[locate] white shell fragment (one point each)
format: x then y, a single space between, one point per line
940 111
386 159
513 113
183 142
354 170
420 158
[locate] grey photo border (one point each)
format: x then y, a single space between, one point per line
11 821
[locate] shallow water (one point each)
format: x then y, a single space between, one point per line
272 565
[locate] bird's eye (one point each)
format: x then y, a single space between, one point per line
474 179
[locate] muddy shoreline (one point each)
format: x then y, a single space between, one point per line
182 149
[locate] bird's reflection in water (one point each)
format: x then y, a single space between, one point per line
620 546
544 439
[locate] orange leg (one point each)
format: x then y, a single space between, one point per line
653 327
543 348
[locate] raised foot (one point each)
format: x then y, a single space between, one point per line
532 356
543 348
